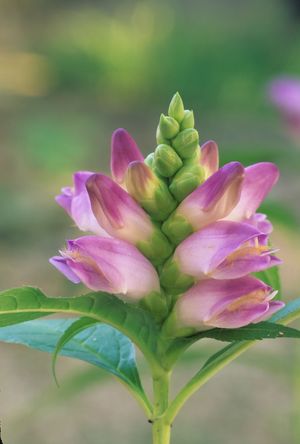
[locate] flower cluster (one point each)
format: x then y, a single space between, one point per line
173 232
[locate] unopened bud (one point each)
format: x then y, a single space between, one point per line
173 279
157 304
159 138
151 192
177 228
176 108
188 120
186 143
157 248
168 127
186 180
166 160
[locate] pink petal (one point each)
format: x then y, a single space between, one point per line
204 250
259 180
215 198
209 157
124 150
116 211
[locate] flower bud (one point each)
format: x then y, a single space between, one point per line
168 127
186 143
186 180
159 138
176 108
209 158
167 161
150 191
188 120
173 279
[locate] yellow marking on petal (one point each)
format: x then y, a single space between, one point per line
256 297
246 250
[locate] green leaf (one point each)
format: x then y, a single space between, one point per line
271 277
99 344
76 327
22 304
262 330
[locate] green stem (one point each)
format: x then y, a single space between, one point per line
161 428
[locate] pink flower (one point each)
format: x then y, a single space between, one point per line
226 303
111 265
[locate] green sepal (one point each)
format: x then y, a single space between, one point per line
168 127
157 249
157 304
149 160
167 161
188 120
186 180
173 279
186 143
176 108
161 204
172 329
177 228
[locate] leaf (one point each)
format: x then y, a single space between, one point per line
262 330
271 277
76 327
22 304
99 344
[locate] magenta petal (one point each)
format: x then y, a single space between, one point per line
205 250
259 180
274 306
61 264
285 94
116 211
124 150
209 157
215 198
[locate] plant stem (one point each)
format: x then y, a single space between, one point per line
161 428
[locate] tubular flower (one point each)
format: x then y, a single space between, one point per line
109 265
182 235
225 304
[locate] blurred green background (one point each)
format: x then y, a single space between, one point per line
70 73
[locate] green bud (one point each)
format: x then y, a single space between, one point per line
157 249
176 108
157 304
167 161
186 143
159 138
173 279
151 192
150 160
188 120
168 127
172 328
177 228
186 180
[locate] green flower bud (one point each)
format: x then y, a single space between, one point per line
188 120
167 161
150 160
172 328
173 279
186 143
177 228
150 191
168 127
186 180
176 108
159 138
157 249
157 304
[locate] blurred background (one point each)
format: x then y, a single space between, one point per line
70 73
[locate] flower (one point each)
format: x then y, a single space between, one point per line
174 233
284 93
226 303
107 264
